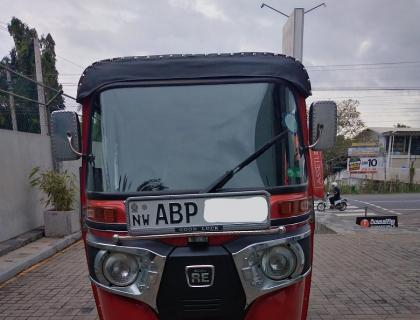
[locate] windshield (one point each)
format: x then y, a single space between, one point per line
184 137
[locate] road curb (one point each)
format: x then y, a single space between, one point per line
17 261
321 228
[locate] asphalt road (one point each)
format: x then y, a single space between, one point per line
405 205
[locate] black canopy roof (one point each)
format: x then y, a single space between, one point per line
209 66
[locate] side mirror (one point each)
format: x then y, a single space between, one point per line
65 137
322 125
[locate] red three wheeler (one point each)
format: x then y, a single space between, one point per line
197 184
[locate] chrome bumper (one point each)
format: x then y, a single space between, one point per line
151 257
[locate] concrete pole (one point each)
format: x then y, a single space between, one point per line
409 153
388 158
11 101
292 44
392 151
40 90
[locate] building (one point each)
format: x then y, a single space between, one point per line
385 153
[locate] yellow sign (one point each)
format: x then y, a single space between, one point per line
364 144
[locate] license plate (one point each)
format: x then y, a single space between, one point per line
198 213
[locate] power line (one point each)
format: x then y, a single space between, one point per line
22 97
373 101
396 110
55 74
31 100
405 113
365 68
34 81
364 64
386 96
69 61
407 104
366 89
414 100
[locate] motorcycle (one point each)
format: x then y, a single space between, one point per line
340 204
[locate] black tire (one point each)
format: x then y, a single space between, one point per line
342 206
321 206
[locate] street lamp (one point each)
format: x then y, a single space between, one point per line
278 11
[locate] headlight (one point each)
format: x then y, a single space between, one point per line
279 262
120 269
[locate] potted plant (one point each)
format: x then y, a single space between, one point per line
60 218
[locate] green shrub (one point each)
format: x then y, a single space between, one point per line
375 186
60 188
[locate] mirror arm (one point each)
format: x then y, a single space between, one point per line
319 132
69 138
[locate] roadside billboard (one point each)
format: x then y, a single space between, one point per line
365 164
364 151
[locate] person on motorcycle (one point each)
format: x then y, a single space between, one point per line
336 194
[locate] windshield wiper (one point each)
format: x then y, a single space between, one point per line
222 180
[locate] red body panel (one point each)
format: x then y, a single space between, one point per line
275 306
114 307
285 304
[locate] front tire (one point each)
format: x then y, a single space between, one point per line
321 206
342 206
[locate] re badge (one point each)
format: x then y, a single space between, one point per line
200 275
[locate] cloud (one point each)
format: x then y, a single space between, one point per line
205 7
364 47
345 32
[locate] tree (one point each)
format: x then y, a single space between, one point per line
22 60
49 71
349 124
401 125
335 159
5 116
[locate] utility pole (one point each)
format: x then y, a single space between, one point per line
40 89
389 155
292 41
292 44
11 101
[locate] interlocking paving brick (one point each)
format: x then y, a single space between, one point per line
355 276
366 276
57 288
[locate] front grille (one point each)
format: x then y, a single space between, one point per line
202 305
224 300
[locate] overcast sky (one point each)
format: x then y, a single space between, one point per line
344 33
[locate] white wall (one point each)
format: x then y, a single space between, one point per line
20 207
393 174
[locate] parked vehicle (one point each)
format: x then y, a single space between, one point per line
197 183
340 204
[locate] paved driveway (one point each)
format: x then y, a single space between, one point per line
356 276
366 276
